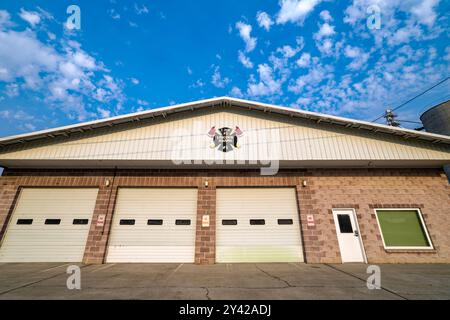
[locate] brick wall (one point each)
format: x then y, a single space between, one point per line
362 189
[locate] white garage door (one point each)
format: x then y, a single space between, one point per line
154 225
49 225
258 225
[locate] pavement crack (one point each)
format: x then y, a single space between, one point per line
288 285
365 281
207 293
37 281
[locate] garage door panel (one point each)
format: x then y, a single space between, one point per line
142 242
40 242
254 253
153 254
273 241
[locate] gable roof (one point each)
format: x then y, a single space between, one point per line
224 102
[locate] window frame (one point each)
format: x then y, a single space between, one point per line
422 221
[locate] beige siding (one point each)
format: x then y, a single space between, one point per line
186 138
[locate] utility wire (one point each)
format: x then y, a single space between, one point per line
419 95
409 121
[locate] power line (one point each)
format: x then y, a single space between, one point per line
417 96
409 121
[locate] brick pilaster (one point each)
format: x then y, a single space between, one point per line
205 237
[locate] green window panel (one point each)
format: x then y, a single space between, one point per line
402 228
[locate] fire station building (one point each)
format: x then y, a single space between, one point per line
225 180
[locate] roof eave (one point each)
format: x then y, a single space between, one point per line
191 106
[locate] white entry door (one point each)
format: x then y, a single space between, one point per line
153 225
348 235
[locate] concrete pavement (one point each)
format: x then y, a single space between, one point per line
224 281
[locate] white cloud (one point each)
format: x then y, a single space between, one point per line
246 62
325 46
114 14
217 79
142 102
295 11
5 114
288 52
198 84
402 20
61 74
264 20
316 75
189 71
103 113
326 30
29 126
425 11
304 60
404 35
358 56
324 40
17 115
447 54
140 9
12 90
302 102
245 31
5 19
134 81
31 17
51 35
236 93
326 16
268 85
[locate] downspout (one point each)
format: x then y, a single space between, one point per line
111 186
107 211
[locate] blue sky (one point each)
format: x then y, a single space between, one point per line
135 55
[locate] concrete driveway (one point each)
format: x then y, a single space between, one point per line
224 281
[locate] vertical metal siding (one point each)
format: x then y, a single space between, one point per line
263 139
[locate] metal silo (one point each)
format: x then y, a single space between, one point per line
437 119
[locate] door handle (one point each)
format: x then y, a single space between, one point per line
356 233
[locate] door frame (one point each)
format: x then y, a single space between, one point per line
355 217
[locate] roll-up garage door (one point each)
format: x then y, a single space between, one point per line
258 225
154 225
49 225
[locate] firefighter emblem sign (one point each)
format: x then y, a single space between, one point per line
225 139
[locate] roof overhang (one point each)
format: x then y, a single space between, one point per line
206 165
224 102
